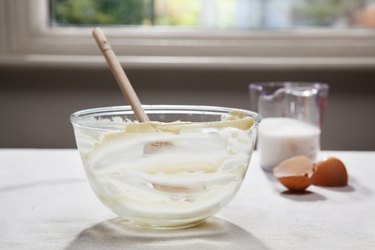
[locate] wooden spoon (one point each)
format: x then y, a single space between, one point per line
119 74
126 87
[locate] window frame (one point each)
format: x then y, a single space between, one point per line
27 39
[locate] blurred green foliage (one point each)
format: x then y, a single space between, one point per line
80 12
126 12
324 12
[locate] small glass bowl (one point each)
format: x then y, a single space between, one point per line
173 173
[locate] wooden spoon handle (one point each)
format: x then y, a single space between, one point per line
119 74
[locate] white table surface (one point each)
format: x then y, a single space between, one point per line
46 203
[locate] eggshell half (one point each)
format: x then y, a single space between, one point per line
295 173
330 173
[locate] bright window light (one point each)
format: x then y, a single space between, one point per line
217 14
256 34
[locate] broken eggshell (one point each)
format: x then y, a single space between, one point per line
295 173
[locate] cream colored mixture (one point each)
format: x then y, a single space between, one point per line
168 173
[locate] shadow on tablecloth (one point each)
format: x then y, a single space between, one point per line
215 234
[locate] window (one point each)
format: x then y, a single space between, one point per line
29 35
221 14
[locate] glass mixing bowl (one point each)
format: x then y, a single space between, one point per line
171 173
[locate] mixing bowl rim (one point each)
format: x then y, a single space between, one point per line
81 117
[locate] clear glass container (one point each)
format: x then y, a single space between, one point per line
292 119
173 172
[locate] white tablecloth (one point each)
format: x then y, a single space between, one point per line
46 203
